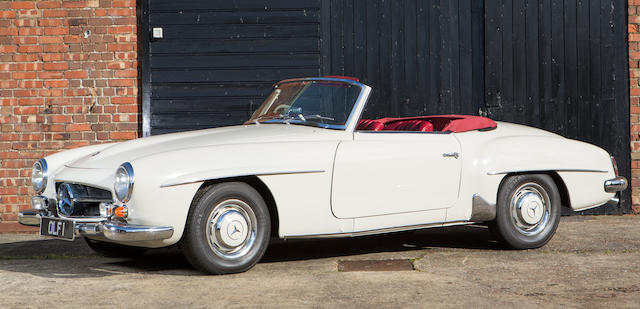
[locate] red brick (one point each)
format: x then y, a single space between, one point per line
123 3
56 83
78 127
122 135
55 66
119 12
50 75
8 49
25 40
50 39
122 82
75 74
24 75
55 48
4 31
30 31
29 49
56 31
48 4
25 58
52 57
126 73
74 4
123 100
54 13
31 101
23 5
7 14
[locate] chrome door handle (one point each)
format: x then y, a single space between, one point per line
451 154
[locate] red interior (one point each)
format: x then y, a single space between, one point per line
442 123
409 125
370 125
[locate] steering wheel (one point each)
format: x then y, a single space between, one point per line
284 107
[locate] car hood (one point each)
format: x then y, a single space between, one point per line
112 156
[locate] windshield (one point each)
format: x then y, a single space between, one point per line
322 103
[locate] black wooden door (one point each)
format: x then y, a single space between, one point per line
562 66
217 59
420 57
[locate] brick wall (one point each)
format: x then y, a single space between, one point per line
68 78
634 78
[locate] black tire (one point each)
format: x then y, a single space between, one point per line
534 223
114 250
239 239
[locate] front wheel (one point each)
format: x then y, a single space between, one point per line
528 211
227 230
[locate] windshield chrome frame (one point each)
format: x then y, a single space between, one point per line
358 106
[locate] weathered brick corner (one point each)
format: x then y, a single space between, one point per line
68 78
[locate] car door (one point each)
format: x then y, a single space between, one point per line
380 173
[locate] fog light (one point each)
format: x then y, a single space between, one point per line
38 202
106 210
121 211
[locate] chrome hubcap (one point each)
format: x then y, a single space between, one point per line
530 208
231 228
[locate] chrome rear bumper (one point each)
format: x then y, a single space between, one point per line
110 230
616 184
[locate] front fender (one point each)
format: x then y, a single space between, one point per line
166 183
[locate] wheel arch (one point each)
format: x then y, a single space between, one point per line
559 182
256 184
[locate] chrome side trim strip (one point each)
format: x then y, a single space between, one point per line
545 170
200 179
378 231
481 210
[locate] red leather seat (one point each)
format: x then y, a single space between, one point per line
409 125
369 125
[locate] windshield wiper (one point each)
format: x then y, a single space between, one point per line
304 118
316 116
286 118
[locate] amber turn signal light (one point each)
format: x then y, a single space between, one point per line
121 212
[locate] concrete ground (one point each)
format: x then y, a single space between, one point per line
592 262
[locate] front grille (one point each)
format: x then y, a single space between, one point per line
76 200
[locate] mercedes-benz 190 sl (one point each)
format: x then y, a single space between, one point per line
307 165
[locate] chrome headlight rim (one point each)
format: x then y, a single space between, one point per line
42 163
127 170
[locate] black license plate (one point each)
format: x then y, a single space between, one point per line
58 228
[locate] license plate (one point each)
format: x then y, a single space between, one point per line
58 228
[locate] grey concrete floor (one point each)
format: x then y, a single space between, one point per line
592 262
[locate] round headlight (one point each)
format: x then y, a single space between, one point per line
39 176
123 183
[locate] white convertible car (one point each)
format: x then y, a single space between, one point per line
306 165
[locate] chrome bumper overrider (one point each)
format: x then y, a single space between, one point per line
616 184
111 230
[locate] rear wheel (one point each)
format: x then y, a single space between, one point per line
114 250
528 211
227 229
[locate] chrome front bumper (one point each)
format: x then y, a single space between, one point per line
110 230
616 184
